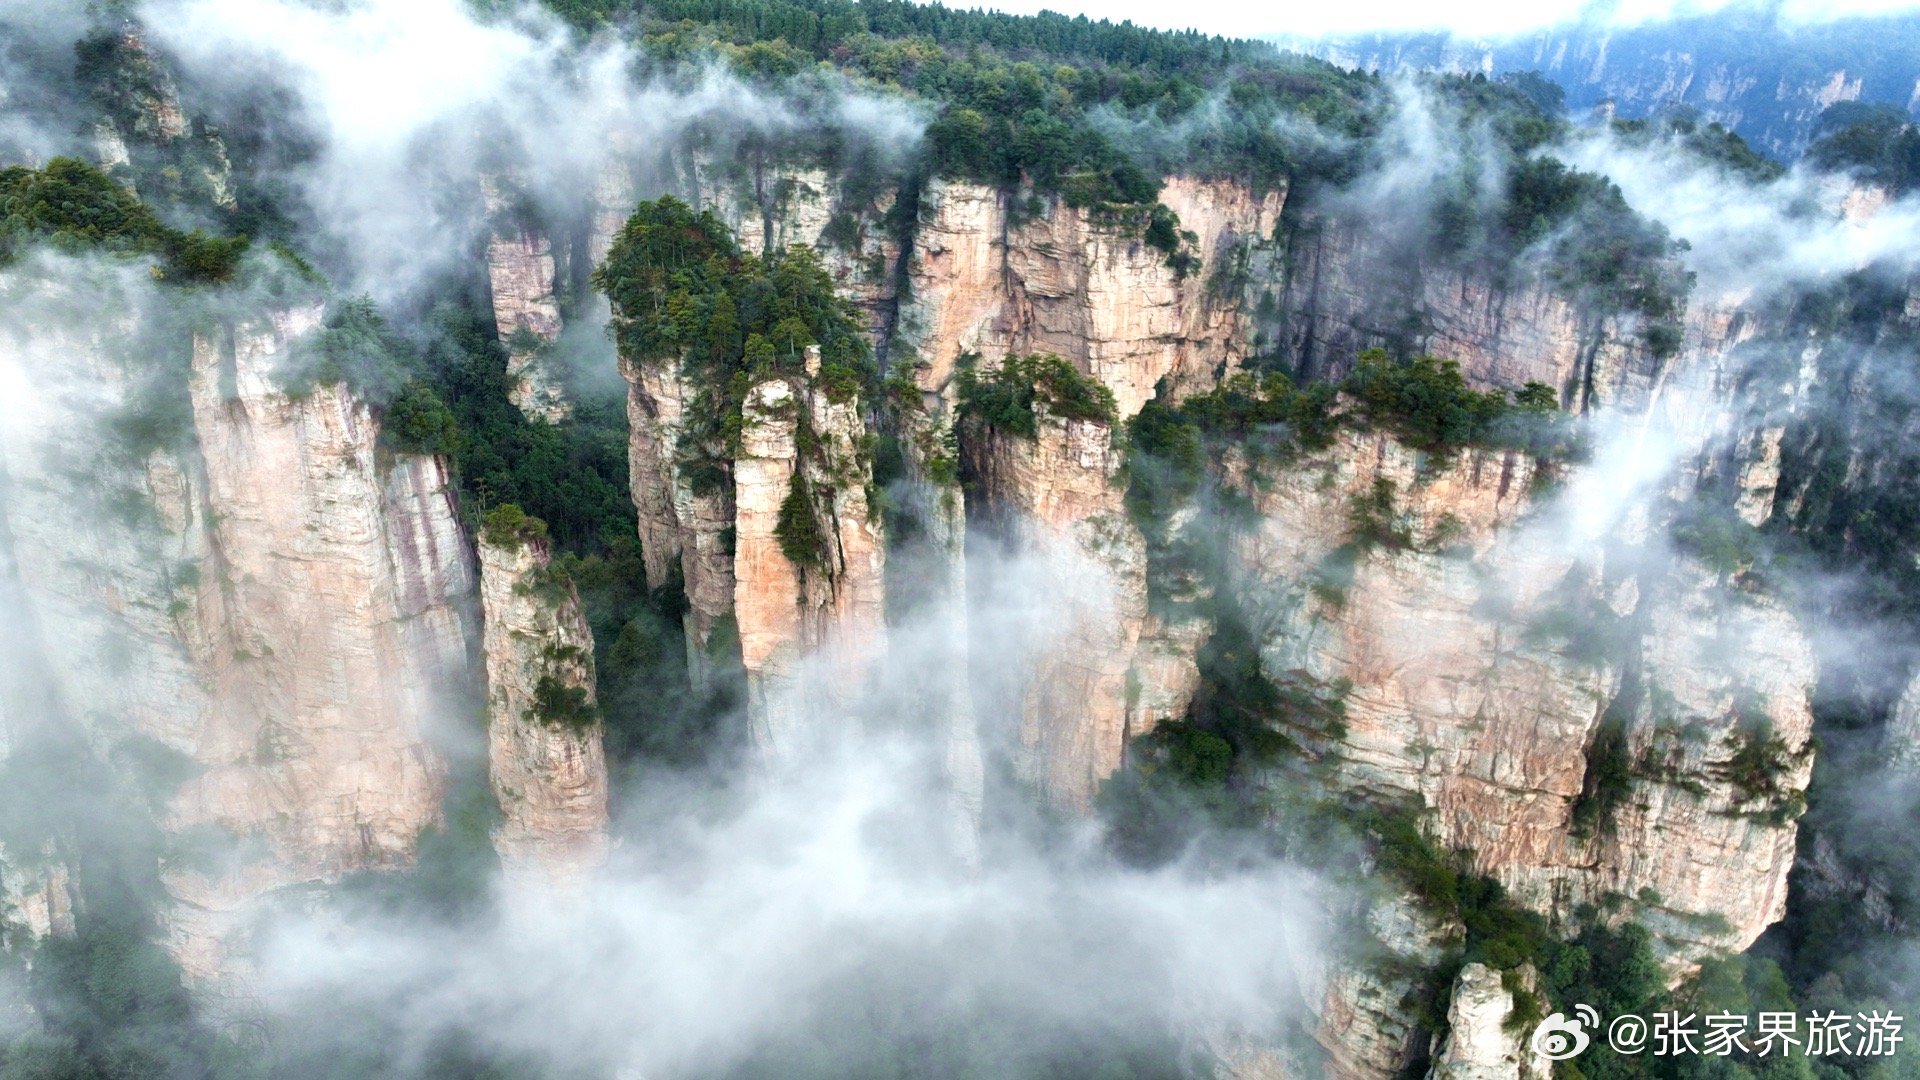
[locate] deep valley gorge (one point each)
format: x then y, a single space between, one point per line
787 538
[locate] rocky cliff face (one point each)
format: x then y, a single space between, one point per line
1486 655
1350 288
1478 1045
767 205
981 282
326 625
1499 664
784 545
287 612
521 274
1059 496
990 277
144 135
686 521
771 204
545 757
1590 714
1367 1025
810 560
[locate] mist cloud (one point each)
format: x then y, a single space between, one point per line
412 102
813 902
820 907
813 916
1752 238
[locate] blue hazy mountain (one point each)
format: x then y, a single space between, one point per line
1745 67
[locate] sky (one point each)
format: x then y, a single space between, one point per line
1475 18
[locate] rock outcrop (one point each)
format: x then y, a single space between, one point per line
270 602
991 278
771 205
1350 288
1501 666
1487 654
1058 497
545 756
1368 1026
810 558
144 135
1478 1045
685 518
327 625
521 274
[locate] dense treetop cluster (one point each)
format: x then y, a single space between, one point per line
684 293
75 207
1877 142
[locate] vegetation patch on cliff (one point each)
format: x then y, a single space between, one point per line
562 703
75 207
1426 403
684 294
803 538
508 526
1013 395
1875 141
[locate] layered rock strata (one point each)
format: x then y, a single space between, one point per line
817 586
545 754
1486 650
268 602
526 311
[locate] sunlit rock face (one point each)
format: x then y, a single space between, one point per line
721 537
545 756
1484 657
992 276
328 625
803 455
1479 1045
286 610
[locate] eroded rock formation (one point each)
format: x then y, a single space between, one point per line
1479 1045
685 517
324 625
810 559
990 278
521 274
1350 287
288 611
1058 497
545 756
1485 655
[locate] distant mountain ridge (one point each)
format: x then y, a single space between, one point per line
1745 68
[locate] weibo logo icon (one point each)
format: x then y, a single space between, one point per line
1557 1038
